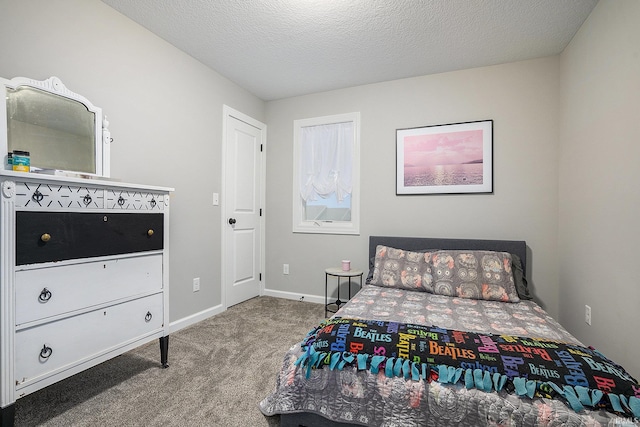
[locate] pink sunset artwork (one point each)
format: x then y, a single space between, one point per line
451 158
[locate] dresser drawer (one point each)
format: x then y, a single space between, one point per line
134 200
57 196
56 236
44 349
51 291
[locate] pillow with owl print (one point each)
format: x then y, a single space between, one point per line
484 275
398 268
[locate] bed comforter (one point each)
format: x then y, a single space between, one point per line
361 397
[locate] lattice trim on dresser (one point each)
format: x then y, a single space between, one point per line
134 200
61 196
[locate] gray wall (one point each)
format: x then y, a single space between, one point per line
523 100
165 110
599 176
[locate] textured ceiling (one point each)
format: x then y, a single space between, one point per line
282 48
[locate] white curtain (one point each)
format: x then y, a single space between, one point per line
326 161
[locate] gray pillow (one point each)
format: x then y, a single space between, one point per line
483 275
397 268
522 286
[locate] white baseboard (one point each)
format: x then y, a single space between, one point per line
195 318
294 296
205 314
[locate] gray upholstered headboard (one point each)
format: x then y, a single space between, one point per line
518 247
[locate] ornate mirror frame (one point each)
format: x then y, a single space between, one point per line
59 121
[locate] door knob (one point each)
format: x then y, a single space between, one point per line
232 221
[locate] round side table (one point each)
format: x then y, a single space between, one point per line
339 274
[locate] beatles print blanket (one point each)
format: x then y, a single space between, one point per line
524 366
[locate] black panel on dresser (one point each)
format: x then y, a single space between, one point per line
57 236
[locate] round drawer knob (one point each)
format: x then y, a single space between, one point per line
45 237
150 233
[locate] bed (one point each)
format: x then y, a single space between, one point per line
424 301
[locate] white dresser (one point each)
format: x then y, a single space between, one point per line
83 277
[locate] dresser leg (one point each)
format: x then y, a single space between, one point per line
7 415
164 351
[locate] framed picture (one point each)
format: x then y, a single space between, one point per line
445 159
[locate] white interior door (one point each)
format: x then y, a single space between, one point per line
242 198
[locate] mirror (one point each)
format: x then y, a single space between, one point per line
60 129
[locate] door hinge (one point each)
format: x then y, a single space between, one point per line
260 211
261 148
260 277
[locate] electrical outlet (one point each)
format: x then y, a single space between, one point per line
196 284
285 268
587 314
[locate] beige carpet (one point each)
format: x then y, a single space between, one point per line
219 370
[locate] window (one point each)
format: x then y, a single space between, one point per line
326 184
